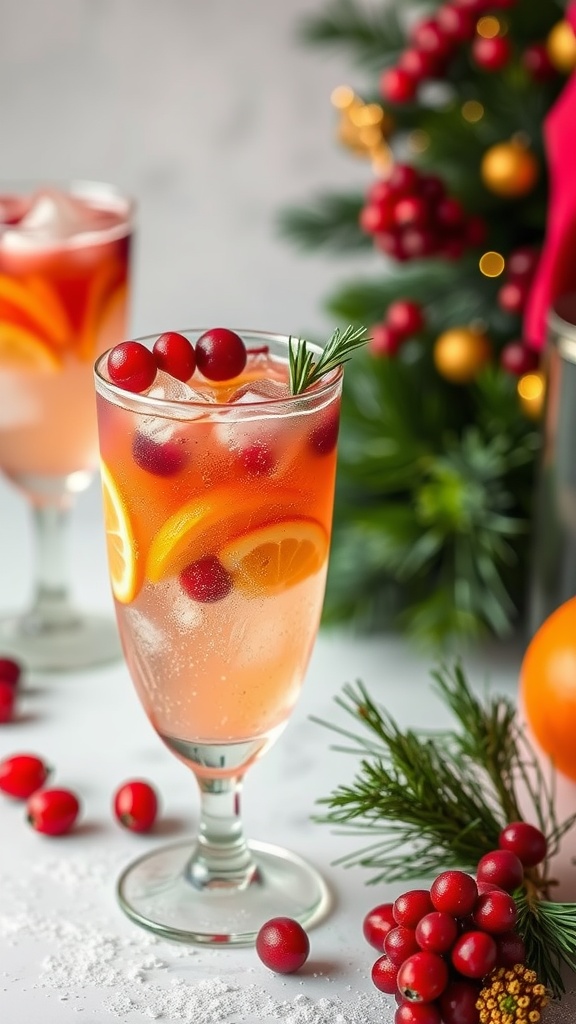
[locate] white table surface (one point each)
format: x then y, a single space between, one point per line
57 901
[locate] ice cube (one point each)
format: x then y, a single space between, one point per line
258 391
52 216
174 390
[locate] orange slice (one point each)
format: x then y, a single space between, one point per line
275 557
60 332
17 299
120 541
204 524
107 298
20 349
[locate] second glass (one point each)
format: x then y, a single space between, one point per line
218 507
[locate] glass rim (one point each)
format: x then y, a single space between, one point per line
87 187
146 404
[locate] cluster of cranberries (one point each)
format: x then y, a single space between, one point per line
411 216
219 355
404 319
437 945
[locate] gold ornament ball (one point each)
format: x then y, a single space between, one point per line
561 47
460 353
531 392
509 169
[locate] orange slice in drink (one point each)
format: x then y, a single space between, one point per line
22 350
272 558
23 304
106 301
60 333
205 524
120 541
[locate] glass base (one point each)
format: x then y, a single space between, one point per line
84 642
156 893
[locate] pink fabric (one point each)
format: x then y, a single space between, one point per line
556 274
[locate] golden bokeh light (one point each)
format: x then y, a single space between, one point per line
489 27
419 140
531 389
492 264
472 111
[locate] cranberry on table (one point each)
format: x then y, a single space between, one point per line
474 954
422 977
377 923
175 355
131 366
458 1003
417 1013
7 701
206 580
495 912
410 906
436 932
384 975
510 950
10 671
53 811
526 841
136 805
22 774
400 943
162 458
503 868
220 354
282 945
454 892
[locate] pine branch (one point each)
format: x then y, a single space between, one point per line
375 37
331 223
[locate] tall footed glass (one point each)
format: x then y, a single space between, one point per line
218 508
64 256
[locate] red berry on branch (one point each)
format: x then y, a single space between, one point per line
381 193
405 316
475 231
422 977
136 805
454 892
536 60
431 187
391 243
131 366
417 1013
206 580
53 811
449 213
403 180
484 887
420 64
384 975
384 340
453 248
411 211
458 1003
400 943
525 840
22 774
436 932
418 242
410 906
375 218
282 945
474 954
175 355
7 701
398 86
220 354
429 36
518 359
495 912
10 671
377 923
503 868
510 949
522 262
491 54
512 297
456 22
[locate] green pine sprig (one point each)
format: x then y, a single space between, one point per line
305 370
431 801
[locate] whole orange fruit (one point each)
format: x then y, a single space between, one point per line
548 687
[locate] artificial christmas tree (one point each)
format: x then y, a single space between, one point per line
440 428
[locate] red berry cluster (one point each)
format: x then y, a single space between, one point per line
411 216
54 811
439 944
521 267
434 42
219 355
403 320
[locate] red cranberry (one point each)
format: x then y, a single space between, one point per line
495 912
7 701
458 1003
518 359
422 977
175 355
392 243
398 86
206 580
131 366
476 231
512 297
403 180
455 22
258 459
22 774
453 248
525 840
428 35
536 60
374 219
384 975
491 54
381 193
417 1013
411 211
53 811
165 458
418 242
411 906
510 949
324 436
220 354
10 671
377 923
503 868
484 887
418 63
474 954
405 317
522 262
449 213
454 892
431 187
136 805
400 943
282 945
436 932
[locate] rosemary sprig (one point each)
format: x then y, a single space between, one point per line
305 370
440 800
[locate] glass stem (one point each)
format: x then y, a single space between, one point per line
51 605
222 859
